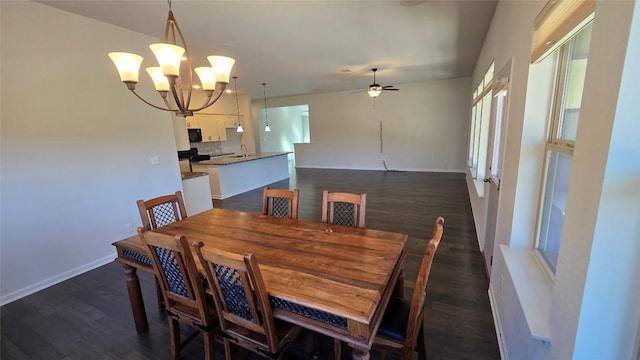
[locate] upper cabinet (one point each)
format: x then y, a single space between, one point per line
213 126
192 122
231 121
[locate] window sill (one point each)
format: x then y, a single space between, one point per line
533 288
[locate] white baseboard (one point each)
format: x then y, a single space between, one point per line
18 294
504 355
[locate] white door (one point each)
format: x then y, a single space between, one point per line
500 105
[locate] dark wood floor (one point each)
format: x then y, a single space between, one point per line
88 317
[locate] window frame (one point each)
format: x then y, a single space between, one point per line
554 142
480 119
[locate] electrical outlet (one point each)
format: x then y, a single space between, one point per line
155 160
129 228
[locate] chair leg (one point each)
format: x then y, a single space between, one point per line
174 333
316 346
159 296
337 349
209 345
422 347
383 354
228 353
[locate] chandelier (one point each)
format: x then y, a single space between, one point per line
169 76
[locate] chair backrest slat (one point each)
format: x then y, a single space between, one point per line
176 271
280 202
420 290
162 210
239 292
345 209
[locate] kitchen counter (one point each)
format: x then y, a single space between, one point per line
233 175
196 190
234 159
190 174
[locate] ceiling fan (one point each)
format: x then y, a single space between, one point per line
375 89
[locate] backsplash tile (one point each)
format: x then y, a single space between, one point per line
210 148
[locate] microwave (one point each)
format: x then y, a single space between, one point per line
195 135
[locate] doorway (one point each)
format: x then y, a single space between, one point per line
499 120
288 125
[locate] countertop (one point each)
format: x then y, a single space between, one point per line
234 159
189 174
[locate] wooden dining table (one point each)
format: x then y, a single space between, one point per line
330 279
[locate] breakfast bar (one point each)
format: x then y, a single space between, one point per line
233 175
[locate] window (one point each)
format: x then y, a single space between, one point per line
500 101
479 129
570 68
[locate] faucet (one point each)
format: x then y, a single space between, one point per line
243 149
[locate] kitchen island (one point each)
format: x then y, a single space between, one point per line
236 174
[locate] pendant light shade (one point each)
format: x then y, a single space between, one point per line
235 84
266 114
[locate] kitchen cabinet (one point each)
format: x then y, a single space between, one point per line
231 121
213 127
192 122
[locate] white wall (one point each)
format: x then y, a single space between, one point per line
424 128
594 311
75 146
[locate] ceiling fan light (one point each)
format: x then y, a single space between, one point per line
169 57
128 65
207 77
222 66
159 80
239 128
374 90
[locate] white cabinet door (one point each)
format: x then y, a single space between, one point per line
221 127
192 122
213 128
231 121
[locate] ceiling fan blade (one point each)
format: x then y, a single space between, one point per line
388 86
391 89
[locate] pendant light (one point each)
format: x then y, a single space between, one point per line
235 84
266 115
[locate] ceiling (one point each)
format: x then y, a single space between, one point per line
307 46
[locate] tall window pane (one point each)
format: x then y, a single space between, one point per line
553 209
576 68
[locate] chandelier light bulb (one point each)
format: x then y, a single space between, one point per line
159 80
128 65
207 77
169 57
222 67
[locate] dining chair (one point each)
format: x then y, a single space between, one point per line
243 305
345 209
183 290
160 211
280 202
402 325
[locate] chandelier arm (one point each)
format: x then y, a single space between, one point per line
174 92
176 28
152 105
211 100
